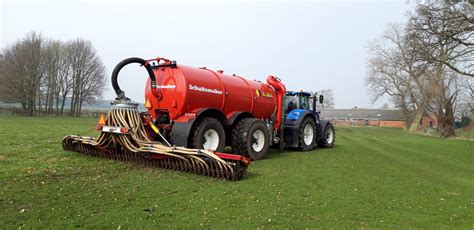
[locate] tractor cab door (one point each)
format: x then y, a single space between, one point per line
290 103
297 101
305 102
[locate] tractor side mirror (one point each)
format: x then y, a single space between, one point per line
321 99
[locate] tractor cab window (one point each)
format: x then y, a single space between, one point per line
297 101
291 102
310 103
304 102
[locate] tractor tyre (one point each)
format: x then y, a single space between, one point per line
329 137
250 137
208 134
307 135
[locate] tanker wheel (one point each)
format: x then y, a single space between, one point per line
250 138
307 135
329 137
208 134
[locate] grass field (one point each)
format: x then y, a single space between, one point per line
466 134
374 178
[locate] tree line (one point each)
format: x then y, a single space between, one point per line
42 74
426 65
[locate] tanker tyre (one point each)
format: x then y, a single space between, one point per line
328 138
250 137
307 135
208 133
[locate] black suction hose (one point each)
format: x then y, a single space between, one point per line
118 91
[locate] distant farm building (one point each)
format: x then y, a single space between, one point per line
374 117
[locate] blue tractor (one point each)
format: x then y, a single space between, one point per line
303 128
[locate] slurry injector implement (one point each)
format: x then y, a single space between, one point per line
194 113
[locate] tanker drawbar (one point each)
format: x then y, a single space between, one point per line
128 135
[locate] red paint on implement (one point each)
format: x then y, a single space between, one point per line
227 156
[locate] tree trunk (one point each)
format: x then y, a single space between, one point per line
447 121
57 103
417 118
62 104
416 121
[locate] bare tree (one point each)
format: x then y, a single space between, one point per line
385 106
88 74
328 102
446 30
52 66
394 69
64 80
40 74
22 71
446 48
5 90
420 65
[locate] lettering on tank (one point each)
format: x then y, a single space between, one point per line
204 89
263 94
165 86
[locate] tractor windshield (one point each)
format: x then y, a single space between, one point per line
297 101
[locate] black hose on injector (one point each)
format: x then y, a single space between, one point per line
120 93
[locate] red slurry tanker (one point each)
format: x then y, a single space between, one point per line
202 108
194 113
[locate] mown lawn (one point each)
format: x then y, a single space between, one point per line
374 177
466 134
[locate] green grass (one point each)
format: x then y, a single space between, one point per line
467 134
374 177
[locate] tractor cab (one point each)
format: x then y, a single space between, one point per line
301 101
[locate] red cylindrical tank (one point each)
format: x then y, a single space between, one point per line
185 90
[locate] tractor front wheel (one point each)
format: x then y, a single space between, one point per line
307 135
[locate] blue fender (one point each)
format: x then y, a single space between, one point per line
292 125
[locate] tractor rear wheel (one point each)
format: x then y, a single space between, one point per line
208 134
250 138
329 137
307 135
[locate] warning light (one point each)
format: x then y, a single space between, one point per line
147 104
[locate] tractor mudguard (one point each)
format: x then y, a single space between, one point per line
320 129
291 136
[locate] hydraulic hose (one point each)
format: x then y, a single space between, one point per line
120 93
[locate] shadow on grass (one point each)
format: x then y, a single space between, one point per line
249 175
275 153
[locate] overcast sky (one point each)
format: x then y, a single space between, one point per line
309 45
